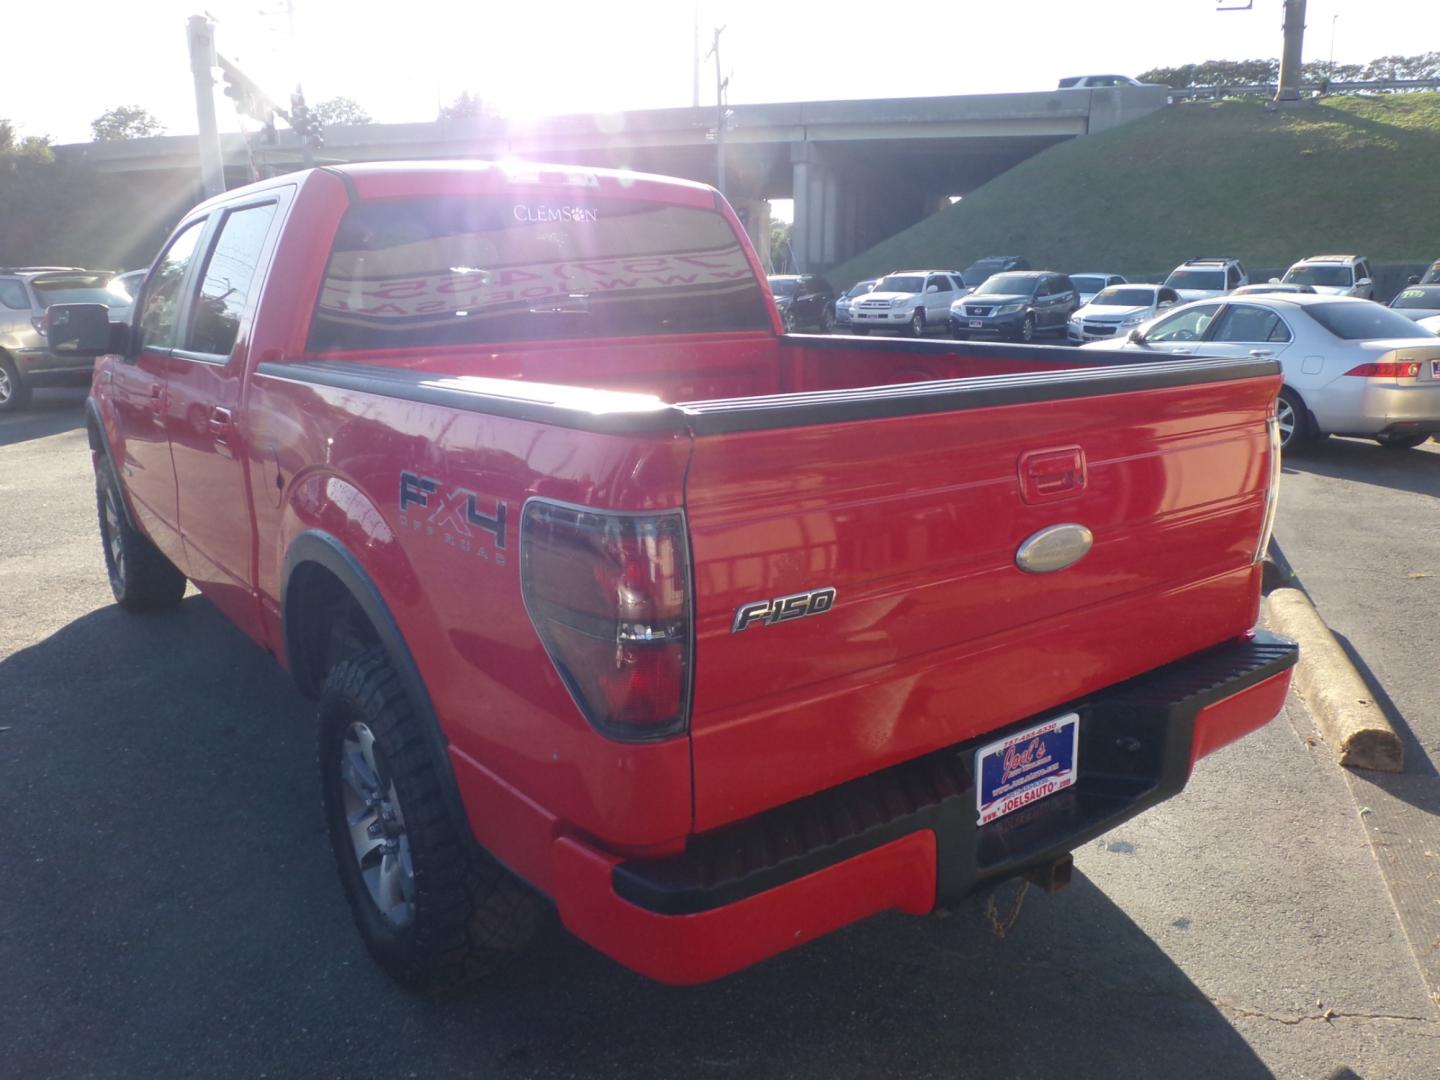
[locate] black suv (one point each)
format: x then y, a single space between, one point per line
1019 305
976 273
805 301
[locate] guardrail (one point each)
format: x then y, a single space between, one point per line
1207 93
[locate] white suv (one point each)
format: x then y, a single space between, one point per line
1338 275
910 300
1204 279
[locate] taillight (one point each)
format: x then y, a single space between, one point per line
1272 488
39 322
1387 369
609 595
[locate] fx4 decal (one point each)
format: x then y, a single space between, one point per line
783 609
453 513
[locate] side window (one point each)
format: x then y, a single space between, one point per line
1187 325
1247 323
1232 277
12 295
1362 270
229 274
957 284
161 316
1169 296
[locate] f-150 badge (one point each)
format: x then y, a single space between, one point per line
783 609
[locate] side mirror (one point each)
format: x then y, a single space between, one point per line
1413 279
1364 281
1135 337
78 330
1274 281
932 288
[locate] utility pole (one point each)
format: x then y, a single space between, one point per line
1292 58
695 58
200 32
720 86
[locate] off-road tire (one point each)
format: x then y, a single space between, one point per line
468 913
14 392
141 578
916 326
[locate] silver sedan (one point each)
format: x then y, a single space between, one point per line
1351 367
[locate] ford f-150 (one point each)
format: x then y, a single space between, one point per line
616 597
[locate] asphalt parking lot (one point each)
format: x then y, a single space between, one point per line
171 906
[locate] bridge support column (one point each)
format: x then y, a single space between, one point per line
816 236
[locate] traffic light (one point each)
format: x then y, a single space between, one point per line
249 99
305 123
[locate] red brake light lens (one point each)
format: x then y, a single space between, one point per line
1387 369
609 595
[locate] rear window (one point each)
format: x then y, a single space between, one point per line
1209 280
1007 284
78 289
1418 298
1120 296
1363 320
1088 283
408 273
1326 274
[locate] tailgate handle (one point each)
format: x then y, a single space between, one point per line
1046 475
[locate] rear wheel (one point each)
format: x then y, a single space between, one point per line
141 578
827 319
434 909
1293 419
917 324
1401 442
14 393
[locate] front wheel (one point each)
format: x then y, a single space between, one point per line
434 909
14 392
917 324
141 578
1401 442
1027 329
827 319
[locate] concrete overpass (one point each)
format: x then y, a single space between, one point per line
858 171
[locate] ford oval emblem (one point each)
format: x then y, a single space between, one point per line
1054 549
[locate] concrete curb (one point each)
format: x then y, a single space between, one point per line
1344 709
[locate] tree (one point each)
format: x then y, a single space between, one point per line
339 112
125 122
467 106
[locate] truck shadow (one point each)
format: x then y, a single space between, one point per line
49 413
177 907
1366 462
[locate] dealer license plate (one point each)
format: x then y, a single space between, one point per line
1019 769
976 323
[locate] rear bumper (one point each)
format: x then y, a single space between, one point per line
906 838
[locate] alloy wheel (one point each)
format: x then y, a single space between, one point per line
1285 419
377 827
7 388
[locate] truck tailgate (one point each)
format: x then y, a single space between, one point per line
910 503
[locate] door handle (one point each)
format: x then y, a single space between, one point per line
220 420
157 398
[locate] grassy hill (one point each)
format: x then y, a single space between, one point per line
1355 174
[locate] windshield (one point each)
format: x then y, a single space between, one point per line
906 283
1121 296
1321 274
1088 283
1007 285
79 289
1417 298
1209 280
859 290
783 286
479 269
1363 320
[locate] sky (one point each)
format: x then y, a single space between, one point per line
401 60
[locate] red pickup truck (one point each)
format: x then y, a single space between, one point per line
616 596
